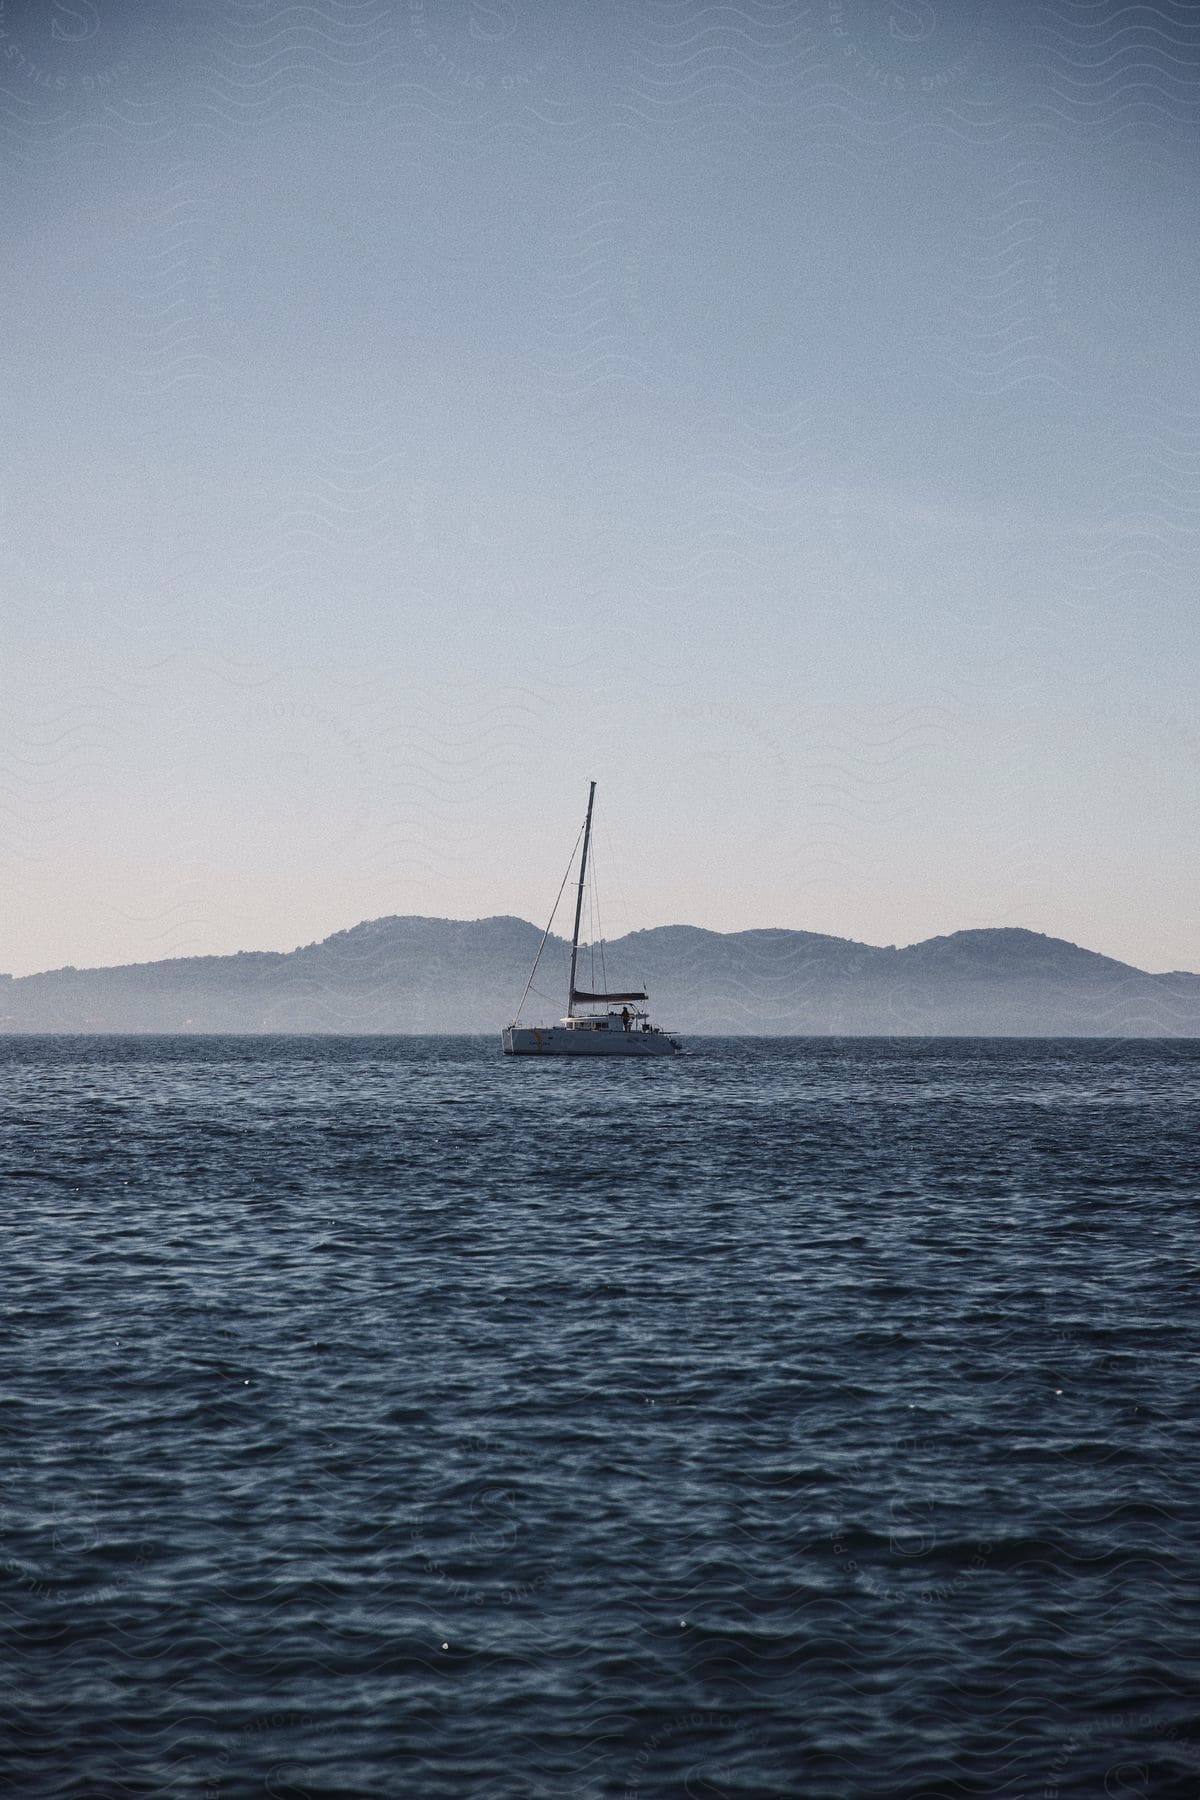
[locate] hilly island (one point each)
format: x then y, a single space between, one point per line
419 975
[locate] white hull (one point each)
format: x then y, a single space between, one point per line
570 1040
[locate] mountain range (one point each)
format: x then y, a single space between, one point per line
450 975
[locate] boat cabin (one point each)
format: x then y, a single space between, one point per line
632 1019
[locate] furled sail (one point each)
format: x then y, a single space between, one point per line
604 999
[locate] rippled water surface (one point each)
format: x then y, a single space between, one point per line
799 1418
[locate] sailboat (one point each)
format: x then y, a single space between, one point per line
608 1024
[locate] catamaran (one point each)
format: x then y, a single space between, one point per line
609 1024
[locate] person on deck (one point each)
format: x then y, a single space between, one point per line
625 1017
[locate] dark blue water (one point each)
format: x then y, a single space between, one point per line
796 1419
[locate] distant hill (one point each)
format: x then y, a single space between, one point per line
449 975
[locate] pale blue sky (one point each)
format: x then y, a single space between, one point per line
786 415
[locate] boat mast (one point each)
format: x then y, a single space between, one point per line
587 832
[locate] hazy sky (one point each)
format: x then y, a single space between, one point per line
784 414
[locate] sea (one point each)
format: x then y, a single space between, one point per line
795 1418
